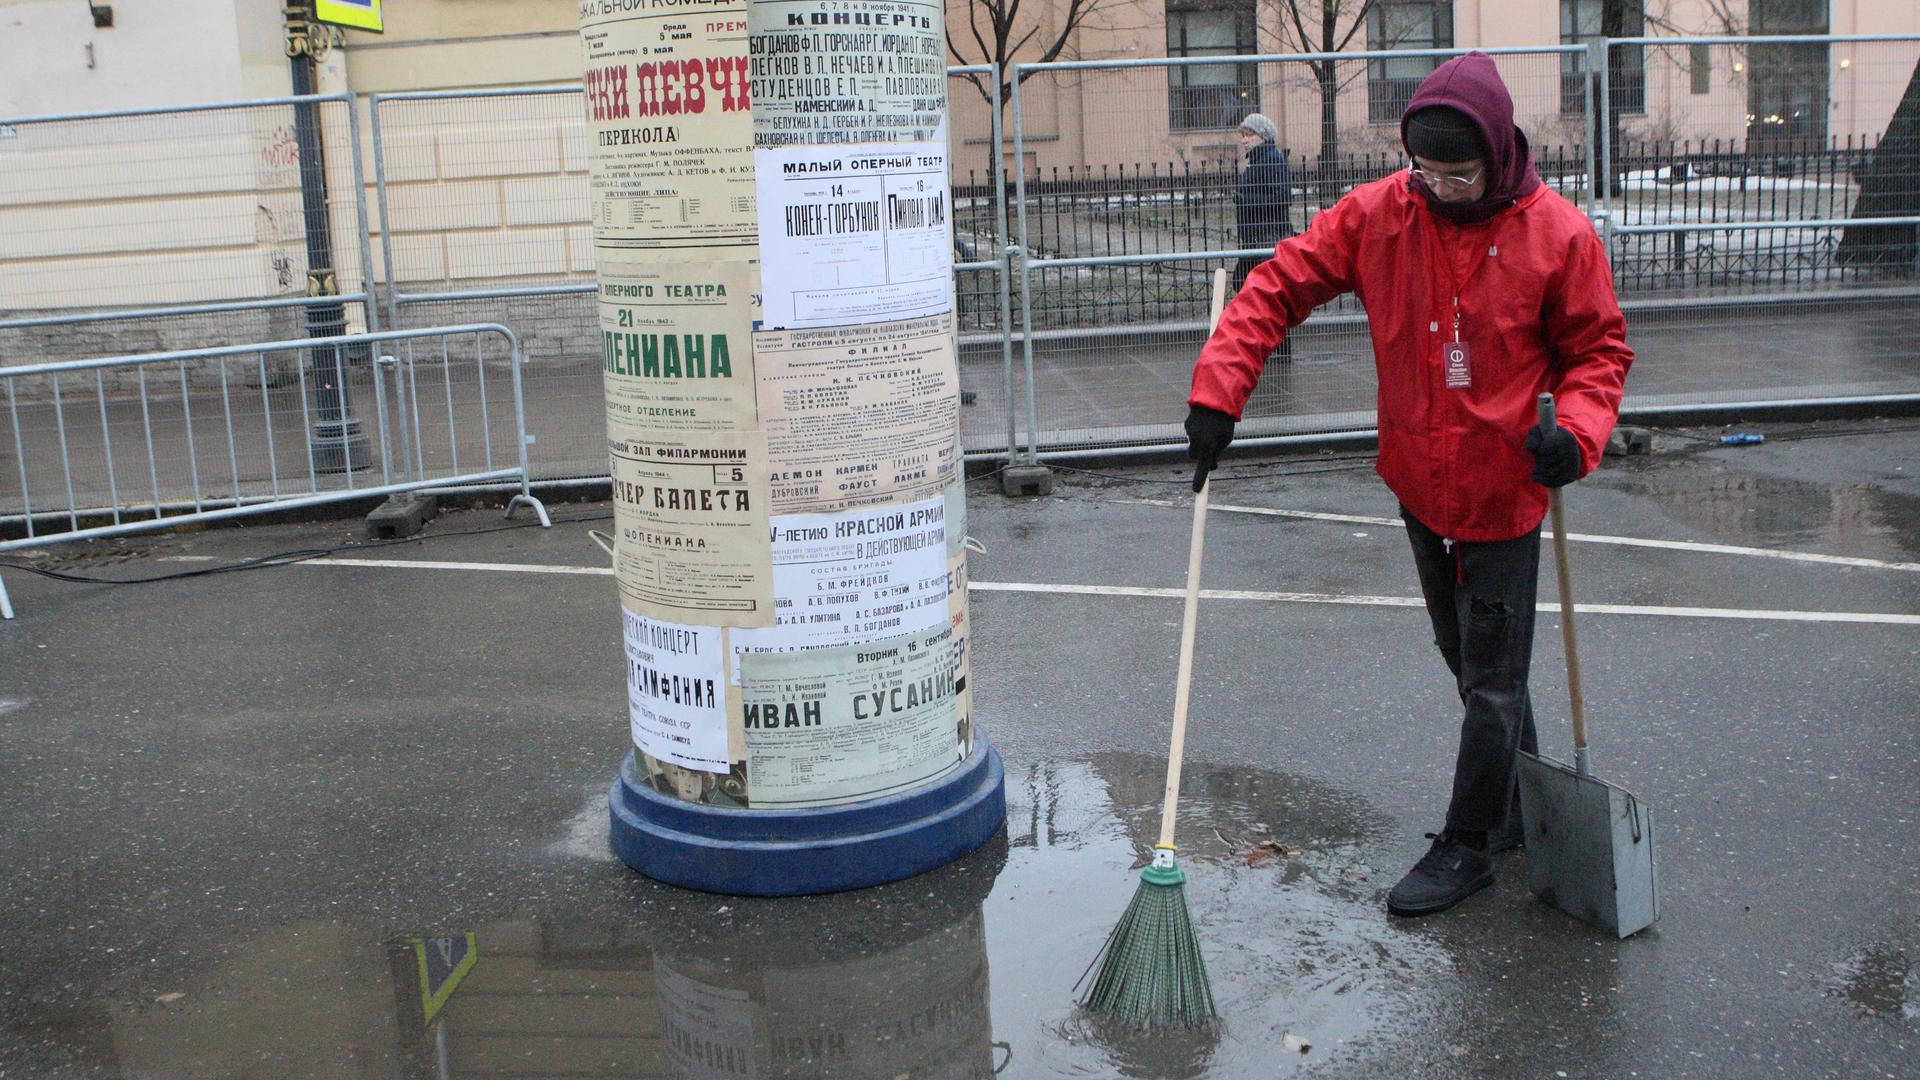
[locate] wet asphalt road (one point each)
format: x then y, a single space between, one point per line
247 811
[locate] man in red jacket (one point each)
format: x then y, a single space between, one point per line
1483 289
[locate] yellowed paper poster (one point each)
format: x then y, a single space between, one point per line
670 119
858 415
851 722
692 539
675 346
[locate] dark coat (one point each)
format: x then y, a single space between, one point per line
1263 200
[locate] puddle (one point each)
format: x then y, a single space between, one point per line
1879 980
1295 944
967 971
1735 507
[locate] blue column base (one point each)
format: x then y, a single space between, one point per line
802 852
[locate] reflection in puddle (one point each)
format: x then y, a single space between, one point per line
1289 915
1862 520
887 982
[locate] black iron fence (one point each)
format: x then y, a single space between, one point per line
1187 206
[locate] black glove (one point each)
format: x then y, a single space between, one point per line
1556 456
1208 433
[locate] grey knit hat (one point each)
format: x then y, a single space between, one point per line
1260 126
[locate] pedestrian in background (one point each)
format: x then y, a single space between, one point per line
1262 203
1483 289
1263 199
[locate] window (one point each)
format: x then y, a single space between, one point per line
1787 86
1204 97
1403 24
1582 21
1700 68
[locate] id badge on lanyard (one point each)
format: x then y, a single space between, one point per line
1456 359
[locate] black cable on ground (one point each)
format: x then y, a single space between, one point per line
286 558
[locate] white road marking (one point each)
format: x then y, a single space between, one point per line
1176 594
1414 602
1590 538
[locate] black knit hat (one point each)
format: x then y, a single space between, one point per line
1441 133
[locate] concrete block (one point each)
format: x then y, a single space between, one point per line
1025 480
1627 441
401 515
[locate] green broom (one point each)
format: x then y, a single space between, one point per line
1151 970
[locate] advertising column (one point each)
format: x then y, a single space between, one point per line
771 221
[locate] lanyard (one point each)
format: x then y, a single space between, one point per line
1460 284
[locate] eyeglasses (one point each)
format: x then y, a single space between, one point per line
1436 180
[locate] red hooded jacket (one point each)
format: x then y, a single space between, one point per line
1536 309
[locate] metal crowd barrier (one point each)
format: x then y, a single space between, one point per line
127 444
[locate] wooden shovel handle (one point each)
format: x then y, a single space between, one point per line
1189 615
1576 699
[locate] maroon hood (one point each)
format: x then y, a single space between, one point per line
1472 84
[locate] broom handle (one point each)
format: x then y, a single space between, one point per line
1183 687
1189 615
1577 700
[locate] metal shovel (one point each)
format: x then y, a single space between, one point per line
1589 843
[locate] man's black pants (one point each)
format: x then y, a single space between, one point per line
1480 597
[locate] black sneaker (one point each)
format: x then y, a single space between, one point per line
1448 873
1511 834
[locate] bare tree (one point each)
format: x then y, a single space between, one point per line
1002 31
1323 26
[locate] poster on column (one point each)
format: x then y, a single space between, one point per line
850 722
854 234
675 346
854 576
691 527
847 71
956 499
677 691
670 125
857 415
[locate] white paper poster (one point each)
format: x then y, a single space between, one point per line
852 722
855 576
854 233
857 415
677 691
